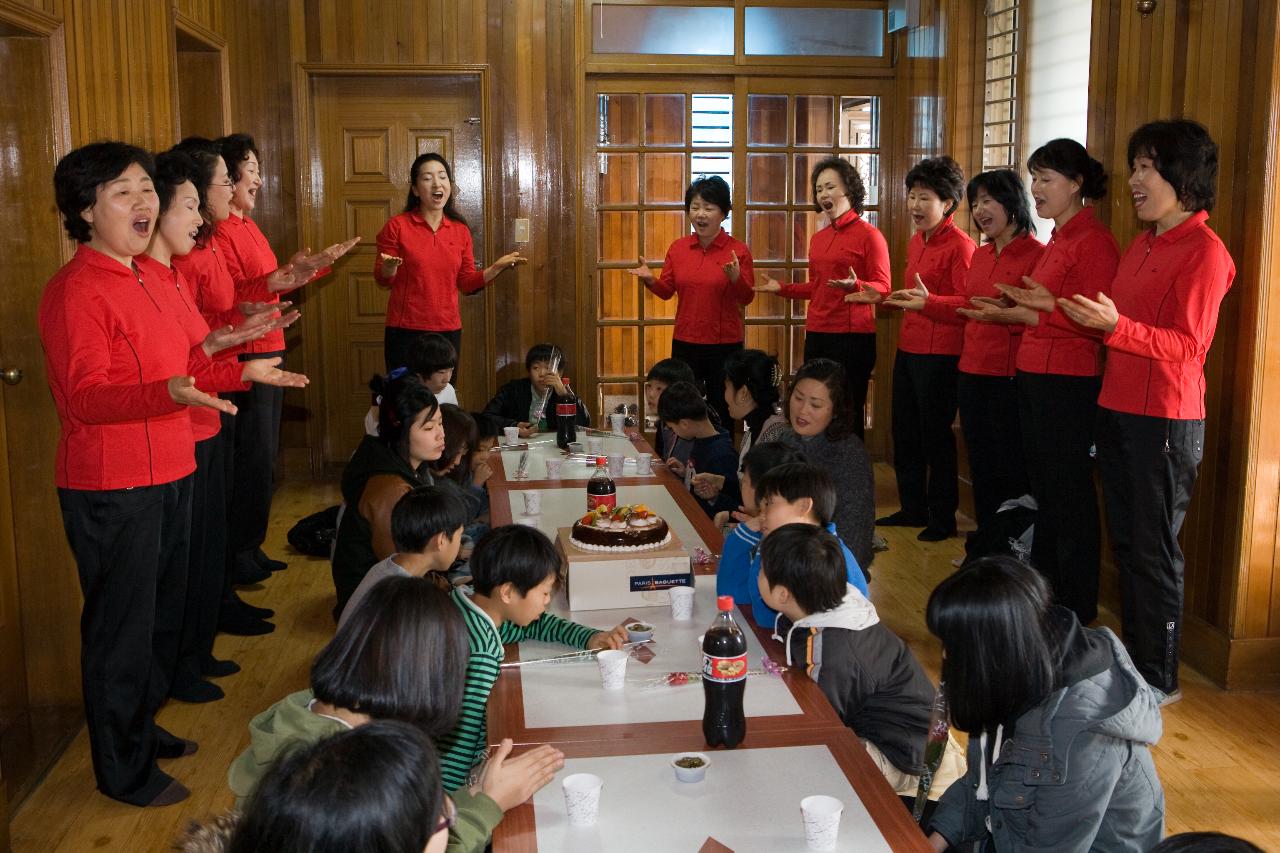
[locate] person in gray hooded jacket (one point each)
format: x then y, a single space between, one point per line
1060 721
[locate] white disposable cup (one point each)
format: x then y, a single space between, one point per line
582 798
682 603
532 503
527 521
615 464
618 423
512 434
644 464
595 445
553 468
613 668
821 821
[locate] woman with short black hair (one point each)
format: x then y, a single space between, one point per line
1158 325
848 275
713 275
1060 723
926 368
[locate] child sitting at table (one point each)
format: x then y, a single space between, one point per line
683 411
432 359
660 377
796 493
518 402
742 541
454 469
514 570
833 634
426 527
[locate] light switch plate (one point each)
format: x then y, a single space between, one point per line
522 231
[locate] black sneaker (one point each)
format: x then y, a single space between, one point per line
197 692
237 606
214 668
244 626
172 746
245 571
267 563
902 518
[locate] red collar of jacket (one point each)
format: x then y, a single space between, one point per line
721 240
446 222
86 254
1178 232
845 219
1082 220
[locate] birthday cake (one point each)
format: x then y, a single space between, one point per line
620 529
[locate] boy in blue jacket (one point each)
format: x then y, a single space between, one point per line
735 576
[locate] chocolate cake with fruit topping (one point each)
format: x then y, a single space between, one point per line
625 528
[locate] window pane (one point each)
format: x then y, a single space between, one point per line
770 339
619 397
712 120
797 351
806 224
799 307
619 178
801 176
619 118
618 238
766 178
617 355
664 119
664 178
661 229
872 217
767 235
766 119
815 115
657 344
619 295
768 305
868 166
699 30
828 31
658 309
859 122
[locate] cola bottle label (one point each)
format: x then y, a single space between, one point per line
569 410
609 500
724 670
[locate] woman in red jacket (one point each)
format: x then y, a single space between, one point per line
714 276
986 392
425 257
1059 371
125 361
1158 325
926 367
848 275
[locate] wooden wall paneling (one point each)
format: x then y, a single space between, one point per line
208 14
202 72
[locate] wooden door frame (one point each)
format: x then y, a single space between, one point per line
310 217
193 29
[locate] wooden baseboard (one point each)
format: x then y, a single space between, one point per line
1239 664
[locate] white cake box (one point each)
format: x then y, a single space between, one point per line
602 581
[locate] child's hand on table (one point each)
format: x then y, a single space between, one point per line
527 429
707 486
615 638
675 466
512 781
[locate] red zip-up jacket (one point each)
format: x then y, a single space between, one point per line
113 336
210 285
437 264
1168 290
942 262
990 349
1081 258
850 241
709 310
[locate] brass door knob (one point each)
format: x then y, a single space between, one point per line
11 375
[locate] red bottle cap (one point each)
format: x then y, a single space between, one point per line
724 602
600 460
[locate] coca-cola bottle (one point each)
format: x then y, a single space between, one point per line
601 490
724 678
566 418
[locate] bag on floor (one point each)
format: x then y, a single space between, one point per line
314 534
1010 533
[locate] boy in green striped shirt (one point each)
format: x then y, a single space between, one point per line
514 570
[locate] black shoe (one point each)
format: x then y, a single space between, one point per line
197 692
245 571
269 564
237 606
902 518
175 793
172 746
935 534
244 626
214 668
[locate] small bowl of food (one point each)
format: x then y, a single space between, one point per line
638 632
690 766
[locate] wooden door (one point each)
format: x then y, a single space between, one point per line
366 133
203 90
39 591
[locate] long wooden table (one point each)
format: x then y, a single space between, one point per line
817 724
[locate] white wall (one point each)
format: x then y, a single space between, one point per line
1057 76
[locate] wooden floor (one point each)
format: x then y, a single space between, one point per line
1217 758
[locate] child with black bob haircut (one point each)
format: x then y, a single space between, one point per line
514 569
686 414
739 558
833 634
517 403
664 374
796 493
426 527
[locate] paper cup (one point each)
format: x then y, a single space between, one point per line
512 434
582 798
682 603
618 423
821 821
613 668
527 521
644 464
615 464
553 468
595 445
532 503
